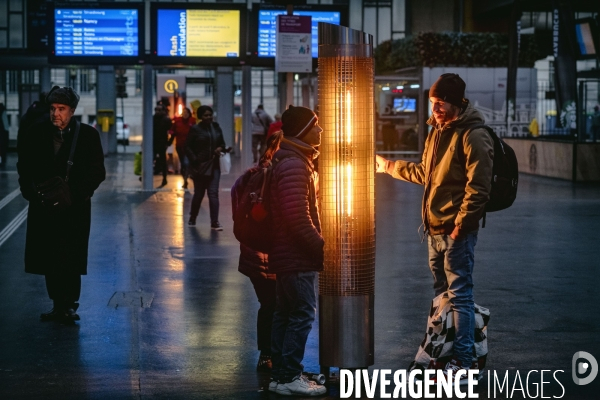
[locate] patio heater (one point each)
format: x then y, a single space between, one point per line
347 198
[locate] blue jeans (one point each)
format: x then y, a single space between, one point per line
295 310
451 263
209 184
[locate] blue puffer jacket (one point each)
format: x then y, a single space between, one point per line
298 244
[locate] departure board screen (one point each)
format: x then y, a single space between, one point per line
96 32
198 33
267 27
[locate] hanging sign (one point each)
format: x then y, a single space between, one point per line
294 53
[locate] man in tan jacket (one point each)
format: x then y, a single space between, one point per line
456 170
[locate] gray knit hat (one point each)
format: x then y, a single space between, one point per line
64 95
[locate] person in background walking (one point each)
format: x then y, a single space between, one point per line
275 126
56 243
161 124
260 126
203 148
181 129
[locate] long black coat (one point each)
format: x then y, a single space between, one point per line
200 146
59 241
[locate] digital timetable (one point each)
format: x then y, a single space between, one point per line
96 32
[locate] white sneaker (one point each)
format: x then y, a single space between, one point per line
301 386
273 386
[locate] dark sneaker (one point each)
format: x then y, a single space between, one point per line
301 386
216 226
264 363
192 221
184 185
70 316
53 315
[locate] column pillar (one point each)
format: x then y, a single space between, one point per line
106 99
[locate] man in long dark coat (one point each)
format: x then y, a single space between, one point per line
57 241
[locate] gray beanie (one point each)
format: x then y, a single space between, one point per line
64 95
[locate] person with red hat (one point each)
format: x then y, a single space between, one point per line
457 188
297 253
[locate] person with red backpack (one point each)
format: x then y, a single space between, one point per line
296 255
456 170
255 264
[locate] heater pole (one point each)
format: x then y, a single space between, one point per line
347 199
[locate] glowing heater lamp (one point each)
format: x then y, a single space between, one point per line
347 185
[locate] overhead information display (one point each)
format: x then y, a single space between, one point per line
267 29
198 33
96 32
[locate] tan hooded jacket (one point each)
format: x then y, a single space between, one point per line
459 185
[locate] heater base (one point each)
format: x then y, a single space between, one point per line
346 331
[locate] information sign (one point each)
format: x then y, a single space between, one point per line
198 33
294 45
267 28
96 32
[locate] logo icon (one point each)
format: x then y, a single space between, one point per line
171 86
580 367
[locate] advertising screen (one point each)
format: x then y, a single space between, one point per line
405 105
267 24
90 32
198 33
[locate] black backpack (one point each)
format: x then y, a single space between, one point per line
251 207
505 173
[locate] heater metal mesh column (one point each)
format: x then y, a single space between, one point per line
347 200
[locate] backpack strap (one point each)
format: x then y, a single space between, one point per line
267 178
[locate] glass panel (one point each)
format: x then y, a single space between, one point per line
13 81
57 76
370 22
399 15
3 14
16 31
385 25
16 5
356 14
3 41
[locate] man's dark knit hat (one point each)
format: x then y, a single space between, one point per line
297 121
450 88
64 95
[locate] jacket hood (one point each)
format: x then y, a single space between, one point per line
469 117
299 146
